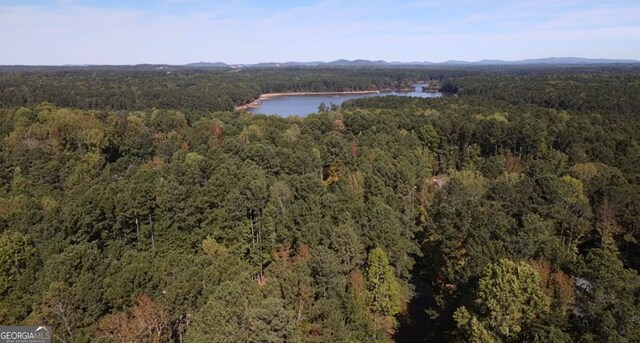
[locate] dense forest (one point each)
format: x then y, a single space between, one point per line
135 207
189 89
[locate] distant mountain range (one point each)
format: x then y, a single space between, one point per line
360 63
207 65
549 60
380 63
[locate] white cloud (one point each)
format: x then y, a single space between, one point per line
234 32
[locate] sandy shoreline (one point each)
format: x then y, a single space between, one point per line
257 102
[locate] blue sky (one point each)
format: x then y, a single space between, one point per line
251 31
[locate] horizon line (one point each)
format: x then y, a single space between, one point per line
585 60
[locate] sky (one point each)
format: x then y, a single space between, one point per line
56 32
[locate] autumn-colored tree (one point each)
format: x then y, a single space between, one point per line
147 322
556 284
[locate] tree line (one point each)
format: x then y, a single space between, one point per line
189 89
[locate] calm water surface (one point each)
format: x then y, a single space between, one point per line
302 105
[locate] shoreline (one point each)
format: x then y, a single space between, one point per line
256 103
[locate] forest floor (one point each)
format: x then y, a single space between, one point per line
415 324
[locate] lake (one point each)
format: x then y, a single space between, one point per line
302 105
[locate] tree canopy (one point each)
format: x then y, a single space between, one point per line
135 206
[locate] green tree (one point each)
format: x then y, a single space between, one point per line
509 298
385 297
608 299
272 322
238 312
322 107
18 268
225 316
19 183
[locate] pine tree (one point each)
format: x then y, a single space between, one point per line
509 297
385 300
